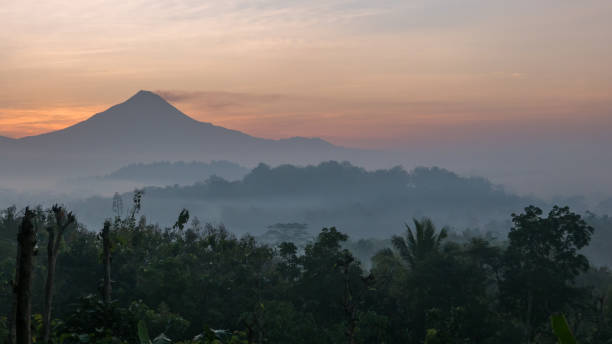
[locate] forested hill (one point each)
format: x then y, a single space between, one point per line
178 172
341 181
359 201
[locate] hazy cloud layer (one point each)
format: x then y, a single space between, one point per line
395 125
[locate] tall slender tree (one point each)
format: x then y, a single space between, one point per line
12 336
420 249
106 257
26 239
59 223
348 301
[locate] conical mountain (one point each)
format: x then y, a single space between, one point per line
147 128
143 120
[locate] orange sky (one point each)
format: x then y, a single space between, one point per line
361 73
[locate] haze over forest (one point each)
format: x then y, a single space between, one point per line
147 129
323 171
145 142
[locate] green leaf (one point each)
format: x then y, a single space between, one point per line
431 337
143 333
161 339
561 329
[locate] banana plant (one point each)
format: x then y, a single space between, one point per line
561 329
143 335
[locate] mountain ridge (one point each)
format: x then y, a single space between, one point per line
146 99
146 128
132 109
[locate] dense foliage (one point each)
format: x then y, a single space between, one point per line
198 283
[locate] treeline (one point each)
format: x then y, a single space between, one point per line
198 283
365 203
341 180
179 172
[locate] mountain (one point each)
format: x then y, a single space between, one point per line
145 129
143 120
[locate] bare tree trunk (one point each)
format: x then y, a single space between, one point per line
26 241
250 334
51 260
259 321
56 231
12 337
350 311
106 244
529 310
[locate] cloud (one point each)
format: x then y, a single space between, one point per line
19 122
219 99
377 124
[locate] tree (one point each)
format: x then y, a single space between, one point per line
106 257
136 206
421 244
321 280
541 264
444 288
332 286
60 222
9 225
26 239
117 205
196 279
182 219
346 263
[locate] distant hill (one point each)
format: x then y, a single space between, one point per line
605 207
361 202
145 129
180 172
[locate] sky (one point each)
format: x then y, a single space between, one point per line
370 74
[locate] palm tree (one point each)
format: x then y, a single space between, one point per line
417 246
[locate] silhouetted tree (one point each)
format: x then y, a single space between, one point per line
541 264
59 223
417 246
117 205
26 239
106 258
182 219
